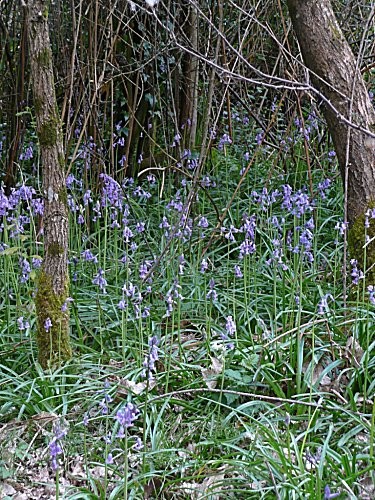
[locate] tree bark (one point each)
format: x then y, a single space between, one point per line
53 282
335 73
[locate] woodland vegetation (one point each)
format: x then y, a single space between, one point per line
187 249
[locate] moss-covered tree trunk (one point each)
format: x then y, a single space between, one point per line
53 283
335 72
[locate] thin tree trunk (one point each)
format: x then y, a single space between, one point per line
335 72
53 283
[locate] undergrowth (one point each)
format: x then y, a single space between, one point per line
211 360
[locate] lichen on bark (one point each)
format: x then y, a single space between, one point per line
53 345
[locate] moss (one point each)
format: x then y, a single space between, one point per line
55 249
48 132
337 35
63 196
357 237
44 58
62 162
38 104
53 346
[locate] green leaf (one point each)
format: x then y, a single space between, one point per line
10 250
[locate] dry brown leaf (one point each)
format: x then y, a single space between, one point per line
210 375
137 388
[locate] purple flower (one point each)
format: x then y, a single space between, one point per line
87 197
204 265
212 293
356 273
230 326
171 296
47 324
203 222
125 417
127 234
138 444
129 289
100 281
229 233
246 248
25 270
55 447
109 459
4 203
206 182
225 139
341 227
36 262
28 153
371 291
151 357
64 307
165 225
37 205
22 325
177 139
112 194
237 271
296 204
249 226
140 227
323 187
107 398
327 493
122 305
323 304
181 264
144 269
88 256
259 138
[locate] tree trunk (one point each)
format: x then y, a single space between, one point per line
335 73
53 282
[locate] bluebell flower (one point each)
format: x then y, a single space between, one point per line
100 280
204 265
230 326
371 291
203 222
355 273
151 358
47 324
138 444
237 271
323 303
22 324
88 256
55 446
25 270
328 495
212 293
125 417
